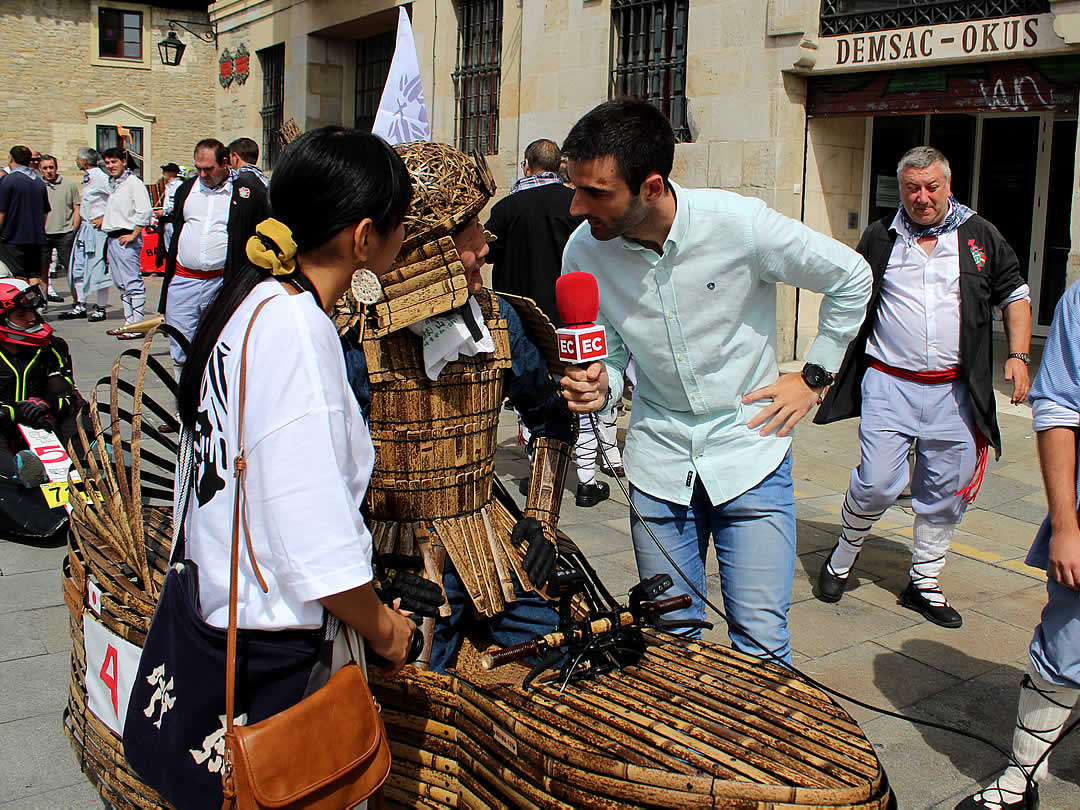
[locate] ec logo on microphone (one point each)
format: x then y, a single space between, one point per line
582 345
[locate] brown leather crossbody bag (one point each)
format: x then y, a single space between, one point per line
327 752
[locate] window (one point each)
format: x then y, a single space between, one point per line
272 60
119 34
107 138
476 79
649 56
840 17
373 57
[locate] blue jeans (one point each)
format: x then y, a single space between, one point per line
523 620
754 537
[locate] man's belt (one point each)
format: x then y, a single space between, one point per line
925 377
120 232
187 272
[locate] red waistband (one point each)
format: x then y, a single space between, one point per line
929 377
185 272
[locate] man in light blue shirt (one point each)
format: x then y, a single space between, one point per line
687 281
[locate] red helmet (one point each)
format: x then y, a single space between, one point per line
18 296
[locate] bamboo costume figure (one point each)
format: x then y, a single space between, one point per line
433 359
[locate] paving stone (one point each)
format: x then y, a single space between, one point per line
80 796
814 535
965 652
1022 609
31 686
879 676
833 476
1004 529
28 591
52 626
818 628
18 557
37 757
805 488
19 638
984 549
1022 509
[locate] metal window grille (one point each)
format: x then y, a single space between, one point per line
373 57
119 34
477 77
272 60
649 56
839 17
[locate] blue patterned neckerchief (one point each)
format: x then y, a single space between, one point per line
957 215
116 181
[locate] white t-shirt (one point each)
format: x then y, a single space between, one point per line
309 460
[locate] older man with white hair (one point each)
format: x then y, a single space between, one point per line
921 371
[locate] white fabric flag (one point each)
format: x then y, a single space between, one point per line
402 114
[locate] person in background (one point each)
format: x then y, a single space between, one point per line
170 174
127 212
24 204
61 223
922 370
88 271
244 157
214 215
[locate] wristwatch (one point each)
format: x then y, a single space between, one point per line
1024 357
816 376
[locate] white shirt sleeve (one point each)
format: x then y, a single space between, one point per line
1046 414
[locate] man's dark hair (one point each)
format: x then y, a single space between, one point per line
245 149
52 158
633 132
114 152
221 152
543 155
21 155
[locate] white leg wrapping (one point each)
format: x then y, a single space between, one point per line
125 299
609 433
138 304
856 525
931 542
1041 712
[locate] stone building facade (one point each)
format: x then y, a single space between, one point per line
803 103
74 69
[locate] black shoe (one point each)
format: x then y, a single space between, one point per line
591 494
615 471
97 315
944 615
830 585
56 298
977 801
77 311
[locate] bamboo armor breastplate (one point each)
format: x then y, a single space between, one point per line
434 440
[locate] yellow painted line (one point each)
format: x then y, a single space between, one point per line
799 494
971 551
887 525
1024 568
907 531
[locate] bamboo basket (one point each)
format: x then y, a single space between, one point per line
691 725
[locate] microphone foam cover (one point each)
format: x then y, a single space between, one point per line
577 298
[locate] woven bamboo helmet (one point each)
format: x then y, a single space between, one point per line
449 189
427 278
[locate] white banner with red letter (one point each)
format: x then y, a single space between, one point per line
111 667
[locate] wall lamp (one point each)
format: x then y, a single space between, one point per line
172 47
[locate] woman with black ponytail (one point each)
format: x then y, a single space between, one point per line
339 197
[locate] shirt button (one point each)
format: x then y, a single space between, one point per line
671 314
680 357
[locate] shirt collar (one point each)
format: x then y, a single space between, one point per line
535 180
25 170
679 226
221 187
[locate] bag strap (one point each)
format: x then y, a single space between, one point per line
239 500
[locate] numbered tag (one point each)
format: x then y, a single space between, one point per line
48 448
111 667
56 493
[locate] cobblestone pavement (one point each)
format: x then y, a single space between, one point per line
866 645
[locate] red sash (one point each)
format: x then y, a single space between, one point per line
186 272
928 377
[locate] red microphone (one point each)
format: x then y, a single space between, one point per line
580 341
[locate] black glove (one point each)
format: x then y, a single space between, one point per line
35 413
394 578
539 562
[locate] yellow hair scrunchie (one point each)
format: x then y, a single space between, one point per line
272 248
